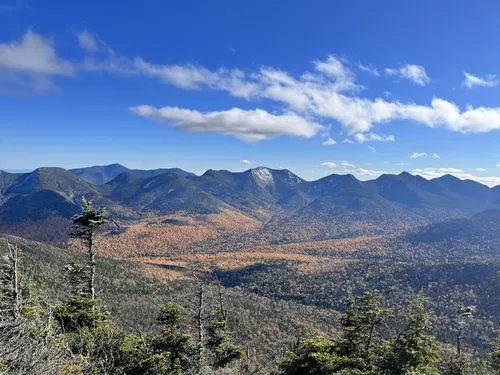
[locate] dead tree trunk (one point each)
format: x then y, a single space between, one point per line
92 268
16 294
199 319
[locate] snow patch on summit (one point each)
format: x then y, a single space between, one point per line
291 179
263 176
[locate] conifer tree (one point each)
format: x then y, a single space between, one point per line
414 351
85 226
171 352
360 321
219 338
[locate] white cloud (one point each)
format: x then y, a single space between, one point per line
436 172
329 142
346 164
413 73
435 156
371 137
330 164
372 148
369 69
400 163
472 81
244 161
185 76
481 169
417 155
369 173
347 141
87 41
431 173
325 93
335 69
250 126
29 64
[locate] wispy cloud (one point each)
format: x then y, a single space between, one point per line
330 164
329 142
348 141
30 64
244 161
89 42
369 69
328 92
364 174
435 156
431 173
346 164
413 73
372 137
372 148
481 169
472 81
325 93
417 155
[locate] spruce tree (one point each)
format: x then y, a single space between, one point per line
414 351
85 226
219 338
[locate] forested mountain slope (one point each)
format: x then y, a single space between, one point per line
289 208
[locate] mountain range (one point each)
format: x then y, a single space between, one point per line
331 207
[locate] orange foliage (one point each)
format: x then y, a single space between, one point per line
155 238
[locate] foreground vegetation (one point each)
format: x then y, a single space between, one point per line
78 334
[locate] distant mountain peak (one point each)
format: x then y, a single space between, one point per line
263 176
341 177
99 175
406 175
448 177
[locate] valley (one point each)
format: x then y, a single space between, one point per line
285 250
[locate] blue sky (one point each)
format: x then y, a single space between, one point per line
317 87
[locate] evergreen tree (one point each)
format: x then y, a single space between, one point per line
313 356
360 321
219 342
414 351
85 226
357 352
170 352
